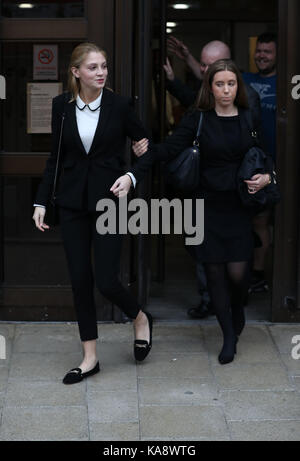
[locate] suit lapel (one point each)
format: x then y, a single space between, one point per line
71 116
106 106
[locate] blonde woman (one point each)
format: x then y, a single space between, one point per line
96 125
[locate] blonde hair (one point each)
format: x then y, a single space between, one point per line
78 56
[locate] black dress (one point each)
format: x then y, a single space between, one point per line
227 223
223 144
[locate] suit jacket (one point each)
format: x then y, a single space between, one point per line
187 97
219 165
87 178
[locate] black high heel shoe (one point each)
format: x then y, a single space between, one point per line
142 347
75 375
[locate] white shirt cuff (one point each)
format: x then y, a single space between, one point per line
132 179
42 206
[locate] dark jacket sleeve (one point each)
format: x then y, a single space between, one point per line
185 95
255 108
182 137
135 130
46 185
255 124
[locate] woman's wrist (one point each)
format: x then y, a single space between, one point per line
269 179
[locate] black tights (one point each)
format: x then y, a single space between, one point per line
228 285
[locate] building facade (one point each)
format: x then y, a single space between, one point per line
36 42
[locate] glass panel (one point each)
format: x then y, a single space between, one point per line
18 71
30 257
43 9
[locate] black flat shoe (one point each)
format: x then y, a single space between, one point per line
142 347
75 375
227 354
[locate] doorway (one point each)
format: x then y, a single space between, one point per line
174 287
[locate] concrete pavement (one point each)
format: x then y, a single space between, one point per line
179 393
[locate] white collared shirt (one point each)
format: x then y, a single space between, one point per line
87 120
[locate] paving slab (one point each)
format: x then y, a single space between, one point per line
116 333
27 394
261 405
3 378
189 422
259 376
42 367
114 406
267 431
293 366
296 382
46 339
176 338
44 424
114 431
180 391
174 365
283 335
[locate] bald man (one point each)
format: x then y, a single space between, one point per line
210 53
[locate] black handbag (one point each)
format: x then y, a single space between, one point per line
183 172
52 212
254 162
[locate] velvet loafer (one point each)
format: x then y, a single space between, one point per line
75 375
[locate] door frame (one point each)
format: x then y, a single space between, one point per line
286 269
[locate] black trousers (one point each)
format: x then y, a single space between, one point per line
79 236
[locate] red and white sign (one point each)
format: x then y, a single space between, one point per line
45 62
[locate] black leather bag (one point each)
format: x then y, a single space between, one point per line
255 162
183 172
52 212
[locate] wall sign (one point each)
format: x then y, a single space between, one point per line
39 106
45 62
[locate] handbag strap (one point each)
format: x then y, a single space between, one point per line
199 130
53 195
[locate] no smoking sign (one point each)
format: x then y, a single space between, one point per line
45 56
45 62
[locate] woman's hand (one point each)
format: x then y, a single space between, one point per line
140 147
38 217
258 182
122 186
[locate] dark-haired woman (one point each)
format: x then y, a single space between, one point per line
96 126
228 243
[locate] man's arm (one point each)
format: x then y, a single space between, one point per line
178 48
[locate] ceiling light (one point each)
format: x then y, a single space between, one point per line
171 24
169 31
181 6
26 5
